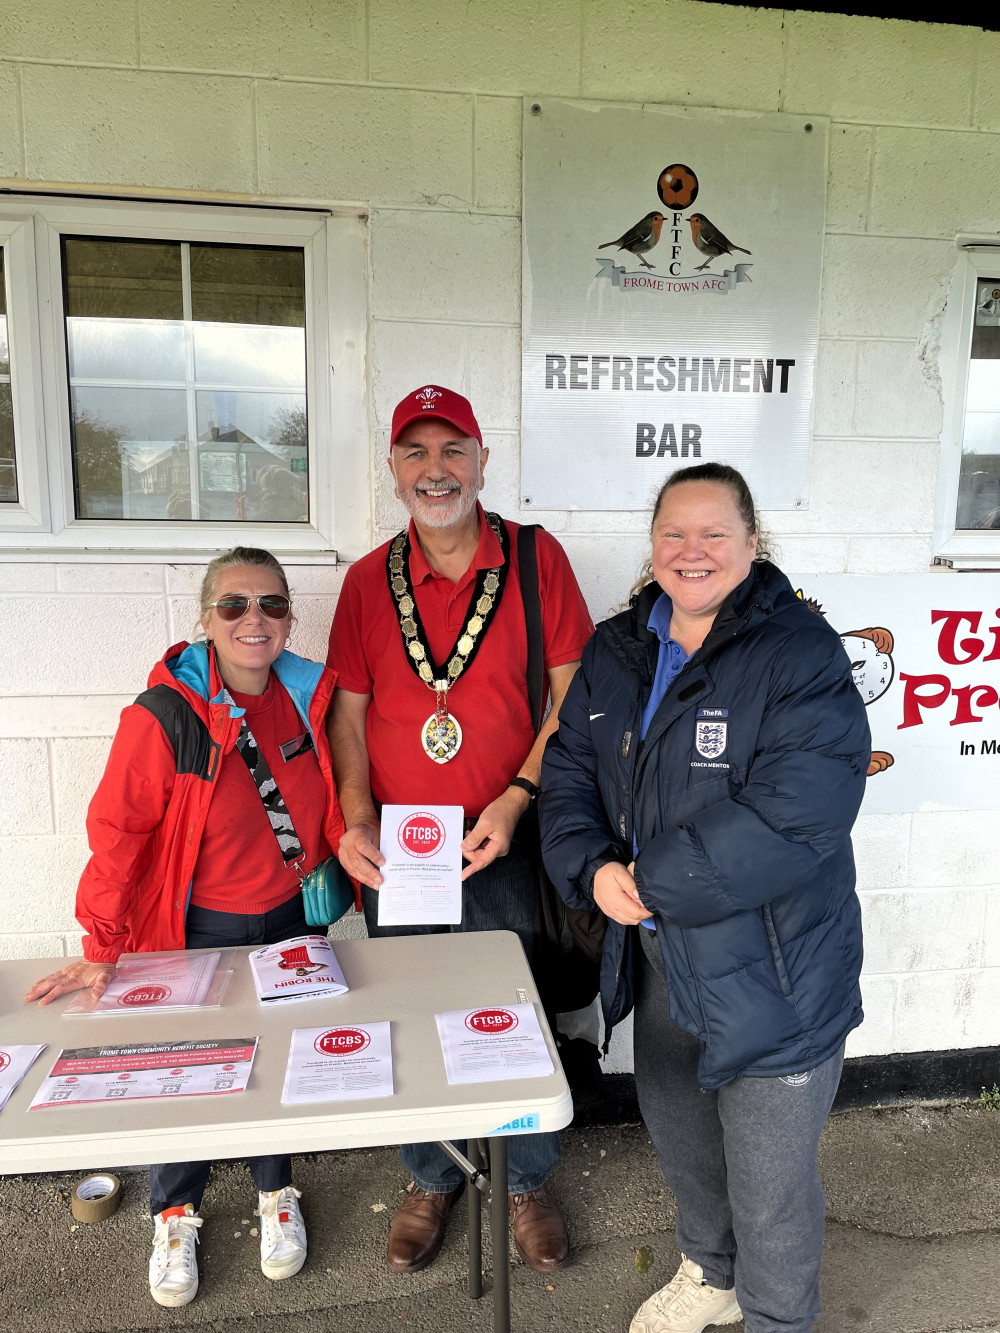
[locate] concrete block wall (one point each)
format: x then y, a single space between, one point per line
414 112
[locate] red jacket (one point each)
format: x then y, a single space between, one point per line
146 819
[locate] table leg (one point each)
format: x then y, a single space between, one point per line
475 1226
499 1233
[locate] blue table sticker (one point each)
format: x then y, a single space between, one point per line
522 1124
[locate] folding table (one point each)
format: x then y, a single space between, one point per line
402 980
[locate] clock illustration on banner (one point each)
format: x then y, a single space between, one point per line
871 661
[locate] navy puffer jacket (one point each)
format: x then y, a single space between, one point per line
741 801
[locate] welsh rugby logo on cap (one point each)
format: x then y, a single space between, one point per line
425 397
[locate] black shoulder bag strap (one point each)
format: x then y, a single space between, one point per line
271 798
568 942
527 570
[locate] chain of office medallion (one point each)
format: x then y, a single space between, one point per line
483 604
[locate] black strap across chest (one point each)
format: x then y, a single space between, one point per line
269 793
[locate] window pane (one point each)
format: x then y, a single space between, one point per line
248 354
123 279
253 454
125 349
8 465
236 284
125 441
8 469
4 352
979 484
196 418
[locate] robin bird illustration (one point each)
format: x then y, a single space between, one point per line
640 238
710 241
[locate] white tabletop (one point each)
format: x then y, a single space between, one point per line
403 980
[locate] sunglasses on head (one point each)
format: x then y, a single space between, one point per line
273 605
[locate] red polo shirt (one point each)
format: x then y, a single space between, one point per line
490 699
239 867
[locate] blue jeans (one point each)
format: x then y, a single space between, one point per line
176 1183
501 896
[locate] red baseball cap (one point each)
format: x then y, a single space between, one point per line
434 401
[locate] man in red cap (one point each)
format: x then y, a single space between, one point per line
431 706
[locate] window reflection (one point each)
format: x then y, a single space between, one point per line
123 437
125 349
8 463
253 455
236 284
249 354
124 278
979 482
187 418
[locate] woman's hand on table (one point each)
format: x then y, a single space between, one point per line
616 895
75 976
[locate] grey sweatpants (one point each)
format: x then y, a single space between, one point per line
741 1162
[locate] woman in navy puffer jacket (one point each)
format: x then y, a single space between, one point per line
709 764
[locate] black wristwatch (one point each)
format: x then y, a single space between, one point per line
526 785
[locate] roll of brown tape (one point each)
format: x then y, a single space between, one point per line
95 1198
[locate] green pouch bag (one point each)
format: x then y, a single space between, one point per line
327 893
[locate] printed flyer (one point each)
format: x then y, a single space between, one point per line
298 969
15 1061
338 1064
422 875
178 980
162 1069
490 1044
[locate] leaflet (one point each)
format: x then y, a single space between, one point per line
422 875
15 1061
298 969
487 1045
338 1064
162 1069
176 980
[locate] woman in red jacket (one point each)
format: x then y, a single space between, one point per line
185 855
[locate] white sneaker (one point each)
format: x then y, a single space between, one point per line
173 1265
687 1304
282 1233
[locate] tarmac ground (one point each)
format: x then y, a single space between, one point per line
913 1209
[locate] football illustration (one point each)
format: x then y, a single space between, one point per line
677 186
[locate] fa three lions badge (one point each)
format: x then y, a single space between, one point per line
711 732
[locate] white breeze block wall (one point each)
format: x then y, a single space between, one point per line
414 111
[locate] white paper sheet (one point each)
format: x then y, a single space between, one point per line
422 875
492 1043
338 1064
15 1061
161 1069
158 981
298 969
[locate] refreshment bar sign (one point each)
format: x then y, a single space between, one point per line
671 276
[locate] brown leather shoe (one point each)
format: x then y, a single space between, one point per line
539 1230
417 1231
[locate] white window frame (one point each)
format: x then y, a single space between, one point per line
961 548
30 512
335 250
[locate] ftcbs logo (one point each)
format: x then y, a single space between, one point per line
142 995
491 1022
342 1041
421 834
4 1059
